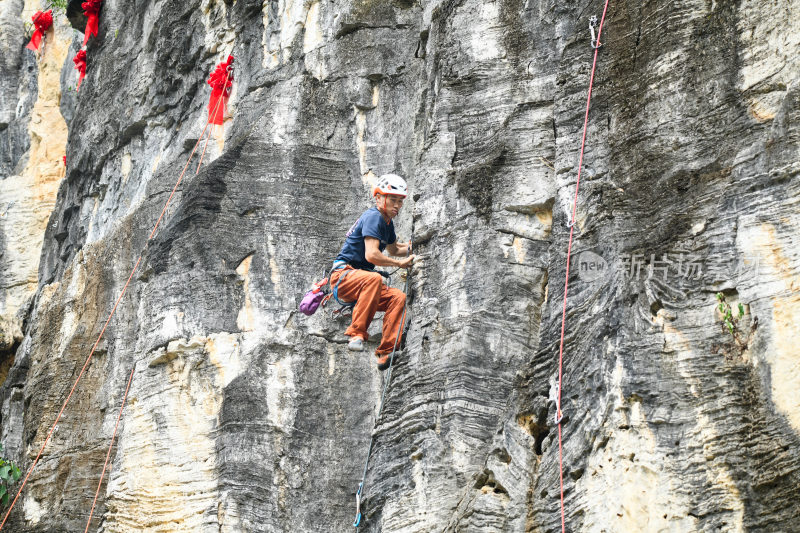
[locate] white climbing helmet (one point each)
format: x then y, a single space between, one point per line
391 184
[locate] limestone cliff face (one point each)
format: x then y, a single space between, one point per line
33 135
245 416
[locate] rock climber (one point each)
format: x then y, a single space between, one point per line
354 269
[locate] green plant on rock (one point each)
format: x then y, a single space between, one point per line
728 320
58 6
9 474
731 323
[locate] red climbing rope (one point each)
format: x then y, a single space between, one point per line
64 405
110 446
559 415
130 378
97 342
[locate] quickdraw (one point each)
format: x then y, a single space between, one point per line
592 25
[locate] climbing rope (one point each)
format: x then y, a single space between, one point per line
360 491
110 446
559 414
97 342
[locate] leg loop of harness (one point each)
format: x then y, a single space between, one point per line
346 308
336 289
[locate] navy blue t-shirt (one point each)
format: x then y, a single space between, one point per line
369 224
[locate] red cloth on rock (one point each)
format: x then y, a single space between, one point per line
91 9
80 64
221 81
42 21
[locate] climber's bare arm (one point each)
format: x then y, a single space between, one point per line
373 254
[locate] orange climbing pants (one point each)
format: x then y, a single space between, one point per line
371 296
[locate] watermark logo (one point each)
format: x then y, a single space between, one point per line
673 266
591 266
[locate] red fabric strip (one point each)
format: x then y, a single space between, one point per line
91 10
80 64
221 81
42 21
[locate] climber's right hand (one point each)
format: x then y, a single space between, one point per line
407 262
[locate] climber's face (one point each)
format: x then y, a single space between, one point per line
389 204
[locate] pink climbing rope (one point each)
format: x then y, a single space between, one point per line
130 378
559 414
110 446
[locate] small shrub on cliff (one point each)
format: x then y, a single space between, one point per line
730 322
9 473
58 6
733 324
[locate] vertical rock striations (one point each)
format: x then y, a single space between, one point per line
244 416
33 136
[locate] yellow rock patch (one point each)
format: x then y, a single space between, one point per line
774 266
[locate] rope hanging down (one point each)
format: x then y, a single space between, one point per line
360 491
97 342
559 414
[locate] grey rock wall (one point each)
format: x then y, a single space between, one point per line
245 416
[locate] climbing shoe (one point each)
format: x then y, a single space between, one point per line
356 344
383 360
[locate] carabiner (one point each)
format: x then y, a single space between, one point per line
592 26
357 521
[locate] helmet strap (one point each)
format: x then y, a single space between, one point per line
382 206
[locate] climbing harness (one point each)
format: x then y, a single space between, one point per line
97 342
559 416
360 491
341 265
346 308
